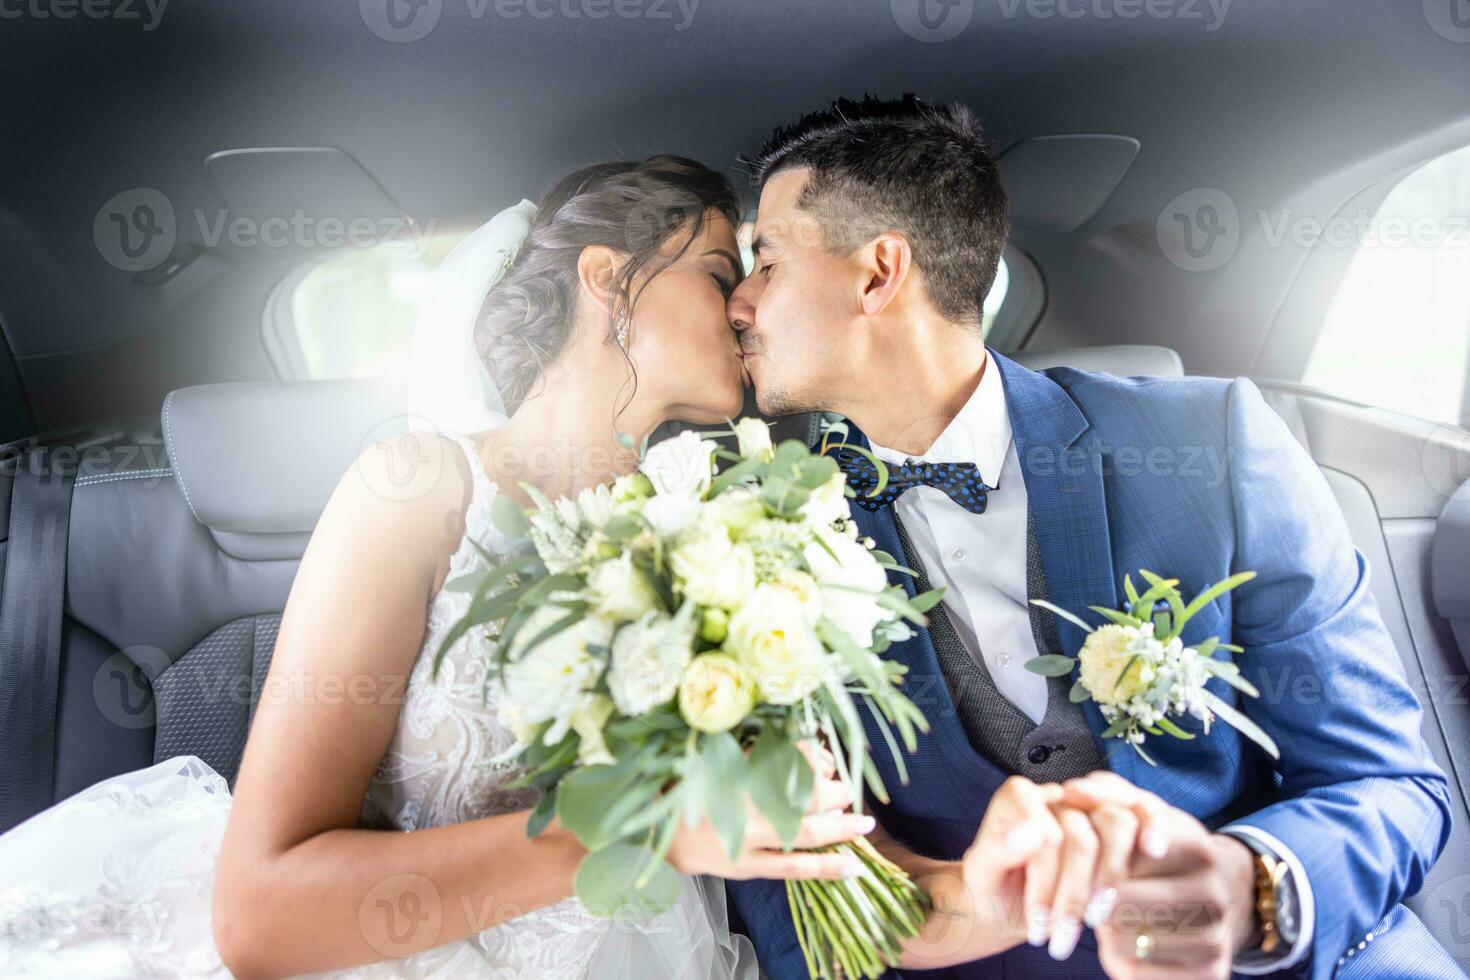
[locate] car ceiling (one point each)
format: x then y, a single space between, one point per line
1298 105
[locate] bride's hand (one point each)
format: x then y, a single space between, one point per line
698 850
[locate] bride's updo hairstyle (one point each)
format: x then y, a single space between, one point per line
634 207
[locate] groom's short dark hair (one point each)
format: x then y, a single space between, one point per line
902 165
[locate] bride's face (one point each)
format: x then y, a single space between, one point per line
686 354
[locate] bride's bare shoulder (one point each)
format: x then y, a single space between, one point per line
413 489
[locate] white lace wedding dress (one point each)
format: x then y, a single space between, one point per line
116 881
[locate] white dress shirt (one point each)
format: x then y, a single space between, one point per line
980 560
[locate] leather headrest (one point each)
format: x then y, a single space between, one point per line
1121 359
264 457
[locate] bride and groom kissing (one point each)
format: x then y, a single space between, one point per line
878 234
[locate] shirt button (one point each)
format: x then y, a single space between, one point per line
1004 660
958 554
1038 754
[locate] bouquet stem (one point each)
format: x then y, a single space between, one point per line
855 928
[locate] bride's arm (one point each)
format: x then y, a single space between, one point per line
299 888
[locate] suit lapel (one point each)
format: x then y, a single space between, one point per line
1062 464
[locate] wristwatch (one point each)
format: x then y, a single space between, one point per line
1278 910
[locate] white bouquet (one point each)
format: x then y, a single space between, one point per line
1139 672
662 645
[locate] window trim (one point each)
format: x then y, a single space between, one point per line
1302 315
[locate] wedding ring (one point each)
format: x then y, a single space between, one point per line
1143 946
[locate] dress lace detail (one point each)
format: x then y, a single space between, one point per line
436 772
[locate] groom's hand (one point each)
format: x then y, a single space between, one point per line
1033 873
1189 893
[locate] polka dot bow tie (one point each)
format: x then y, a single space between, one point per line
960 481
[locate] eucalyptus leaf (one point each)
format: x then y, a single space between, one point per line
781 782
1051 665
542 814
627 882
724 785
622 527
508 517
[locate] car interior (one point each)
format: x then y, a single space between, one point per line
1276 190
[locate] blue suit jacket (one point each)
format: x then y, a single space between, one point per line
1195 479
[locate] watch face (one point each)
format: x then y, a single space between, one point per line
1288 911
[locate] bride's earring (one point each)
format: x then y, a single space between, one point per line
622 329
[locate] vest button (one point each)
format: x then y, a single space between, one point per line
1038 754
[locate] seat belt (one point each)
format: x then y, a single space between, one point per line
30 636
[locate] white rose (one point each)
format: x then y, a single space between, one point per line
738 508
648 660
716 693
588 721
1105 653
850 585
619 589
549 682
771 637
827 504
754 438
682 465
804 589
712 569
671 514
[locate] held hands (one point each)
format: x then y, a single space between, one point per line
698 850
1099 852
1188 907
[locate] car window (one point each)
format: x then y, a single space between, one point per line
1397 333
352 315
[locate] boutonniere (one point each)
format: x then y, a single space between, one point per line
1139 672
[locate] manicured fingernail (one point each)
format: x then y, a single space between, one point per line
1099 908
1038 925
866 824
1155 842
1064 937
1023 838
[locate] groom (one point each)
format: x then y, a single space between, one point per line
878 235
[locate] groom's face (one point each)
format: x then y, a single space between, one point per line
794 312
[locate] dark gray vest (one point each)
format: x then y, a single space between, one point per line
1058 748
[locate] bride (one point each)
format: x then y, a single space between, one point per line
370 835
